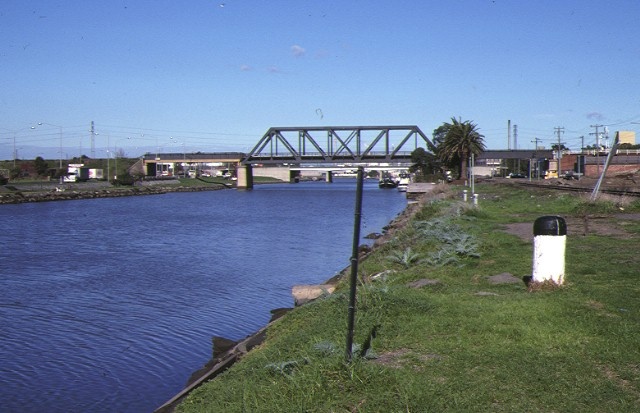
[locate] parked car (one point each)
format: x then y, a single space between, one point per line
571 175
515 175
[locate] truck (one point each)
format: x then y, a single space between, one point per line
76 172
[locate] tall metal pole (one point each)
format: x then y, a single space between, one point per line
472 174
580 157
108 155
93 140
60 157
354 263
597 146
559 130
536 140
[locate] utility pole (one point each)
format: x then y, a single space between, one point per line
515 142
581 156
559 130
93 141
597 133
536 140
509 134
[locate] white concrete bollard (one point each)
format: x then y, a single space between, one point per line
475 199
464 195
549 243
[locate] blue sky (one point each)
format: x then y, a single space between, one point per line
215 75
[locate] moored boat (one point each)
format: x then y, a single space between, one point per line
403 184
387 182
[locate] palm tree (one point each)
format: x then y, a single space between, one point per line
459 141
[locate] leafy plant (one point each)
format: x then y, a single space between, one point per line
404 258
325 348
285 367
442 257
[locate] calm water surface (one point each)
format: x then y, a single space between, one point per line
109 305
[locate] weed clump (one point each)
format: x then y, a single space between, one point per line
547 285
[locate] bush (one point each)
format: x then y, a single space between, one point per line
124 179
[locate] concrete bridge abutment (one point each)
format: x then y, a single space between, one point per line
245 177
329 177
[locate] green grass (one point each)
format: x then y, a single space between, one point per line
444 347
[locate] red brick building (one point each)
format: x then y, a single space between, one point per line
591 163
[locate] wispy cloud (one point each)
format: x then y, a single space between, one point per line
274 69
297 51
246 68
595 115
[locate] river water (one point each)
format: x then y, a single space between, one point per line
108 305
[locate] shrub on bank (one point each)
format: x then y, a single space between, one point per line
124 179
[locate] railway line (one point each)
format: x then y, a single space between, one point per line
583 188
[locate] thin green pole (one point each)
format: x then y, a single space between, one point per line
354 263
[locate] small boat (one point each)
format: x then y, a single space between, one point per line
403 184
387 182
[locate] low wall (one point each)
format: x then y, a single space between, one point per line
595 170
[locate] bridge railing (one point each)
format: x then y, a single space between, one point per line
320 157
194 155
593 152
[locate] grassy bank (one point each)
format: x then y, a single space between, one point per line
23 191
435 333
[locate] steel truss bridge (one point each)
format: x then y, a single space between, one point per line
337 144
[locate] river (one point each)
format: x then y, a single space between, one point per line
108 305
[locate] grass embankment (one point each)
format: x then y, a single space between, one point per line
22 191
459 342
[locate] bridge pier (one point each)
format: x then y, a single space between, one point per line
329 177
245 177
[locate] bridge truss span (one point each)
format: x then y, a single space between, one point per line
333 144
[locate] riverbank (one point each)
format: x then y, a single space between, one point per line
227 352
446 323
47 192
20 197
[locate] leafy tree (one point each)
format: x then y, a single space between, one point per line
438 138
41 166
59 172
373 174
82 159
628 146
423 162
562 147
458 141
